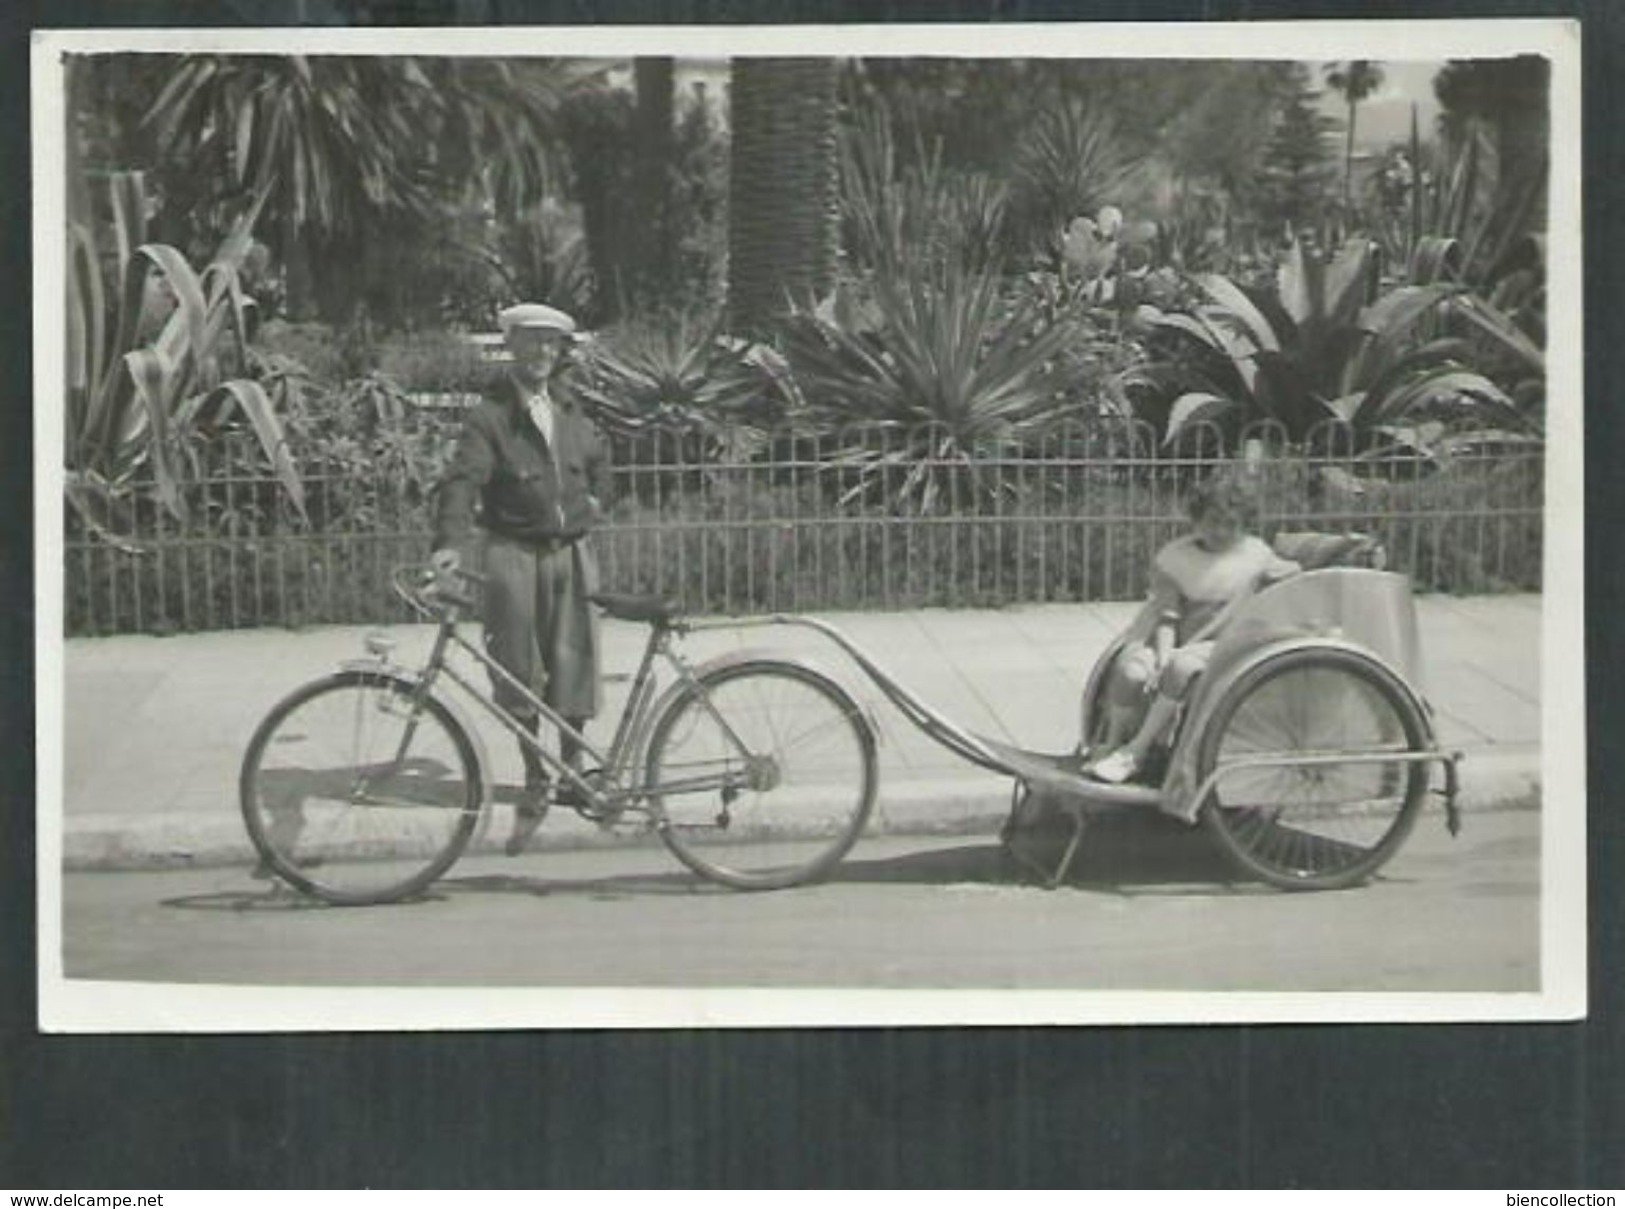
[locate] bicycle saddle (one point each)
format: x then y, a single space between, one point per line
627 606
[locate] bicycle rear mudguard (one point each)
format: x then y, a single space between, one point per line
408 678
739 658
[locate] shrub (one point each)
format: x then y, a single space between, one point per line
1324 349
436 362
945 363
679 372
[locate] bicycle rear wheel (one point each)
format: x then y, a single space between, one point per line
762 776
358 789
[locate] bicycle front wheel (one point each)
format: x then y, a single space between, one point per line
762 775
358 789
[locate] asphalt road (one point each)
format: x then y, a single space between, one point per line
1147 909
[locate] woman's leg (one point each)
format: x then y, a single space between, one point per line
1130 679
1184 665
1157 719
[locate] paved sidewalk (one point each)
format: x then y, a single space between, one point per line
154 728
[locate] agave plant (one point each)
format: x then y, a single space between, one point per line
1404 368
680 374
147 367
947 368
1447 222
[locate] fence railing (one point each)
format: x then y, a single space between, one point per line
866 519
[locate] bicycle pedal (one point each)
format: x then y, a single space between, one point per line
604 818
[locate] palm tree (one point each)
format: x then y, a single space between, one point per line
1355 79
783 217
324 136
339 144
497 126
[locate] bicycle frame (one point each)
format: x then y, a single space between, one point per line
614 789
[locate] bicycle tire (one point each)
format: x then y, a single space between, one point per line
325 827
783 834
1314 828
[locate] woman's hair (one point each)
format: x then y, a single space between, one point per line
1225 497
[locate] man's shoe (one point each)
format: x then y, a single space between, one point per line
528 814
587 807
570 796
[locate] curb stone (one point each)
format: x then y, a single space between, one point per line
975 804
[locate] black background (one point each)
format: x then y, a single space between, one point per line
1461 1106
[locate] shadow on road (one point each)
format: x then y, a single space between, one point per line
615 886
1129 856
274 898
278 897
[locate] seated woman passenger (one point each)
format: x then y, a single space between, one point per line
1194 580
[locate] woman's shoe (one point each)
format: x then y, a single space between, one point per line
1116 768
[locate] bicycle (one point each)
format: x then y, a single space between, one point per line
365 786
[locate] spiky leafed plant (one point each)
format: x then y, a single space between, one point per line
148 366
678 377
1453 224
897 209
1512 98
1319 352
664 372
944 367
1068 163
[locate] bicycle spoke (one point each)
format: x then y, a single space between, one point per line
810 762
357 778
1330 821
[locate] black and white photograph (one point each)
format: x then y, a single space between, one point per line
676 527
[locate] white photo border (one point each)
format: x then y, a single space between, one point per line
77 1005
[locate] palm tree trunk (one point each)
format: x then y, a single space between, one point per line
1348 163
653 139
782 218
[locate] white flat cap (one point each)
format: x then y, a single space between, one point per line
534 314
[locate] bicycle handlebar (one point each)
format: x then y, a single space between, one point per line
431 593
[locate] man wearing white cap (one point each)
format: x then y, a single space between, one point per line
536 467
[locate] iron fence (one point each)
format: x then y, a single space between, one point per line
745 522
